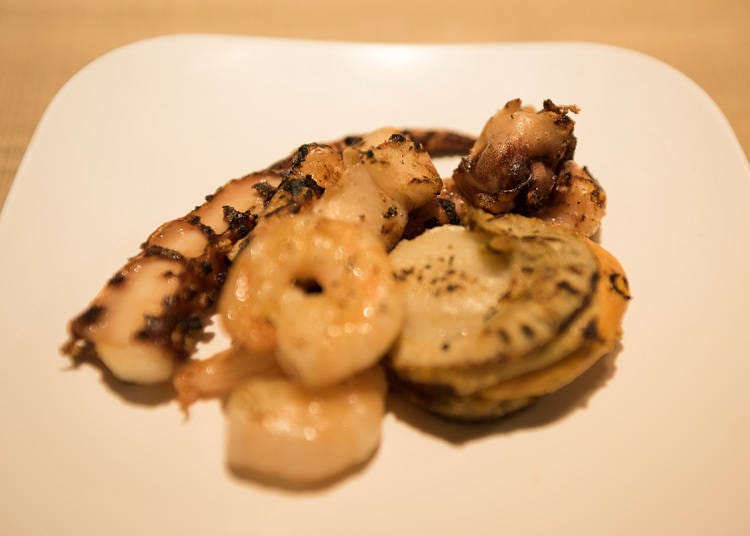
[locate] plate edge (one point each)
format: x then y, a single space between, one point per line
107 56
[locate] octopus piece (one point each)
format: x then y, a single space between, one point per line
153 311
449 207
521 163
317 292
514 162
579 202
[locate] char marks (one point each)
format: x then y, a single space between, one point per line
197 262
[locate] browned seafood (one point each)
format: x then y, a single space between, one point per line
316 292
475 319
578 202
218 374
153 311
376 179
437 142
329 202
279 429
513 164
521 163
329 238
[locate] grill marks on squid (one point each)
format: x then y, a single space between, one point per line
284 187
185 313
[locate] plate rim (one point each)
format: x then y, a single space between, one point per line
615 49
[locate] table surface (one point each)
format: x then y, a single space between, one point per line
44 42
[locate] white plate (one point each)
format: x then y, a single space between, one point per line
655 440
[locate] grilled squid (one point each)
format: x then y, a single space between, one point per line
153 311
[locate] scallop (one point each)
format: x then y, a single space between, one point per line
279 429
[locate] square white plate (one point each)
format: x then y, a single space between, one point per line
653 441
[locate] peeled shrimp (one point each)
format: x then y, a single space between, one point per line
280 429
317 291
376 180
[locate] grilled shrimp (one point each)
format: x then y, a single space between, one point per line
318 292
153 310
217 375
281 429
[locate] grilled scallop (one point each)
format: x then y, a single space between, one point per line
280 429
502 313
